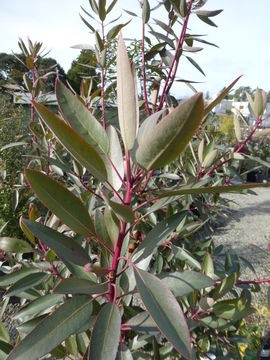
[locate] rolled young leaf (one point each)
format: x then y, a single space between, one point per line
82 151
63 203
127 98
171 135
163 307
106 334
65 321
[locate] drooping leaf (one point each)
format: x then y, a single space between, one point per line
82 151
171 135
50 332
127 98
156 237
106 333
9 244
81 119
115 155
195 64
63 203
80 286
162 306
87 24
27 283
65 247
210 190
183 283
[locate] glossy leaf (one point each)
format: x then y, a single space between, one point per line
26 283
165 311
127 98
232 309
81 119
211 190
65 247
50 332
115 155
13 245
82 151
184 283
106 333
80 286
63 203
171 135
143 323
112 224
156 237
186 256
13 277
123 212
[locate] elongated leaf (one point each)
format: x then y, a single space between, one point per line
80 286
156 237
127 98
9 244
146 11
211 190
50 332
165 311
220 97
123 212
115 154
82 151
3 332
232 309
143 323
63 203
81 119
40 304
87 24
65 247
16 275
115 30
207 20
8 146
102 9
123 353
185 256
101 228
208 13
106 333
171 135
26 283
195 64
183 283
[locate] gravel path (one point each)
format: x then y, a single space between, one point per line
247 232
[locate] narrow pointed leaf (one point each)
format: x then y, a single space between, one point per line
87 24
26 283
100 228
195 64
146 11
128 112
207 20
123 212
80 286
81 119
13 245
115 30
63 203
65 247
82 151
211 190
16 275
115 154
220 97
171 135
163 307
50 332
102 9
157 236
106 334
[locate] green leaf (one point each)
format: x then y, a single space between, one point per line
63 203
195 64
127 98
115 30
184 255
45 302
146 11
3 333
80 286
5 349
81 119
184 283
112 224
102 10
106 333
26 283
123 212
82 151
8 146
213 322
111 6
208 13
101 228
208 266
116 157
183 8
143 323
164 38
50 332
220 97
225 286
123 353
87 24
65 247
16 275
165 311
156 237
171 135
13 245
232 309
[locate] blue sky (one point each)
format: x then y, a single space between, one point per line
243 36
